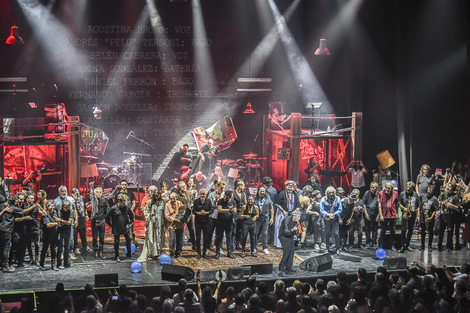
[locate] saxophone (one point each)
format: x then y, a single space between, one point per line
426 217
407 214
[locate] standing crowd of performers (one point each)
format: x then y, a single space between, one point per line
220 212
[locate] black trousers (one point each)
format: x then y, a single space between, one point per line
262 230
387 233
288 251
453 229
430 227
18 247
220 230
82 233
442 229
5 241
237 233
371 227
117 239
192 237
32 237
407 229
176 239
248 229
202 229
49 240
211 230
97 231
355 225
63 245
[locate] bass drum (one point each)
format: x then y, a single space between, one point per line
111 181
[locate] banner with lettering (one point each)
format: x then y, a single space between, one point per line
223 134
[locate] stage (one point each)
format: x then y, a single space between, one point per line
85 267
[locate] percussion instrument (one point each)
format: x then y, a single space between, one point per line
111 181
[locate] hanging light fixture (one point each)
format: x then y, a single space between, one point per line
322 49
248 109
15 38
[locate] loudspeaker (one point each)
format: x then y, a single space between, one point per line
237 273
262 268
175 272
317 263
394 263
106 280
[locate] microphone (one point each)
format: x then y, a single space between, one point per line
128 135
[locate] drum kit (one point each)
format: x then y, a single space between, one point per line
109 176
249 168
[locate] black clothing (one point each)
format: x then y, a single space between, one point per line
129 194
428 206
119 219
286 236
49 238
411 202
282 201
201 223
224 225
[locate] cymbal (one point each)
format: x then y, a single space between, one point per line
103 164
89 157
250 156
256 166
228 162
130 160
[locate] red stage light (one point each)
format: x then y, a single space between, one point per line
15 37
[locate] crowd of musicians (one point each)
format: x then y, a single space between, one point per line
331 221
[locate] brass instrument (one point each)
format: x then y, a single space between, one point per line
426 217
407 213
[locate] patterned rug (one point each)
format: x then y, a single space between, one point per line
189 259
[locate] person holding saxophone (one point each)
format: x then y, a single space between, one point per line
408 203
428 207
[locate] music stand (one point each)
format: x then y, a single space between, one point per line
313 106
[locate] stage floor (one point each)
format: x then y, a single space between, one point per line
86 266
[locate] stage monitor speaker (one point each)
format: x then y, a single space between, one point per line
106 280
395 263
175 272
317 263
237 273
262 268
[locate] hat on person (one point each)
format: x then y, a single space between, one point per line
316 193
339 190
353 196
290 183
75 191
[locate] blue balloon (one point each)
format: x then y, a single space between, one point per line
136 267
165 259
132 248
380 253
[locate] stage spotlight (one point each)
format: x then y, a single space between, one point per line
249 110
97 113
322 49
15 38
